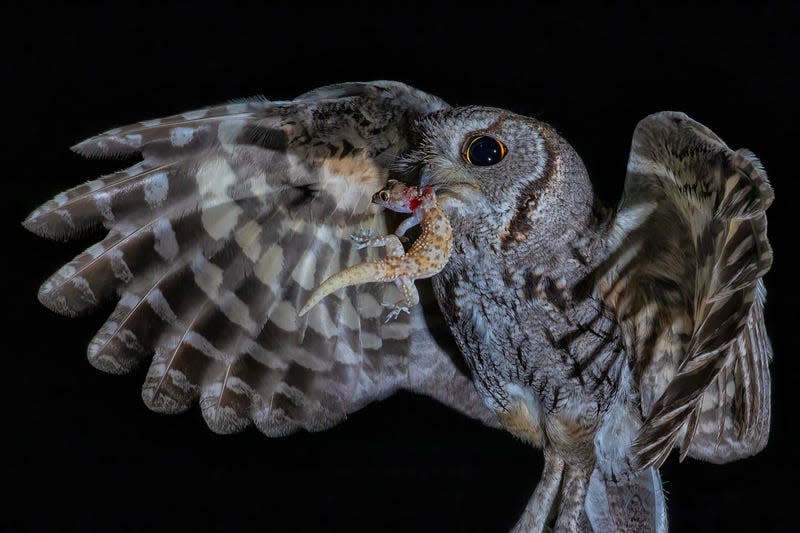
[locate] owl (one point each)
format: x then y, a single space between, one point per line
605 337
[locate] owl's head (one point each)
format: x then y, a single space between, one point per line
507 177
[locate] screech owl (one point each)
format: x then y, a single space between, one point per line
605 337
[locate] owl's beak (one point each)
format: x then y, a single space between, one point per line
426 178
451 189
446 181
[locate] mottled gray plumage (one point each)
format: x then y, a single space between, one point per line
605 337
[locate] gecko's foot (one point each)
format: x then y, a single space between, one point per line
362 237
395 310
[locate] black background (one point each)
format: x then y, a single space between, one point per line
82 451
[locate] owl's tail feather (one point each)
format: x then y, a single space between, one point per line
569 499
633 503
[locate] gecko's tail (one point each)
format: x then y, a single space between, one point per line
354 275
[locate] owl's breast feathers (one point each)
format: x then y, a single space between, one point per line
544 352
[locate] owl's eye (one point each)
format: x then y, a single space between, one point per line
484 151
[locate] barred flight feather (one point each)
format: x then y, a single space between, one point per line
693 312
216 238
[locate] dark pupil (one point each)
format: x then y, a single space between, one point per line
484 151
385 196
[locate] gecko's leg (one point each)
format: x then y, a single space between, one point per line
363 238
394 248
409 300
407 224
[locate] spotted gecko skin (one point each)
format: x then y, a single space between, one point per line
426 257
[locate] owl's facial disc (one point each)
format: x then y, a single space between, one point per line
489 164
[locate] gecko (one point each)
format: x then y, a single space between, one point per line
426 257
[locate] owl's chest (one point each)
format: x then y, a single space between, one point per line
493 327
548 373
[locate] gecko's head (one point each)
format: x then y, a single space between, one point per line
493 168
397 196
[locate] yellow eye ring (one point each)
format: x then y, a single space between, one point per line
484 151
384 196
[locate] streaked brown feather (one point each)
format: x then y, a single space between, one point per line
691 308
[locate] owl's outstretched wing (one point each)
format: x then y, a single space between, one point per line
217 237
688 251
